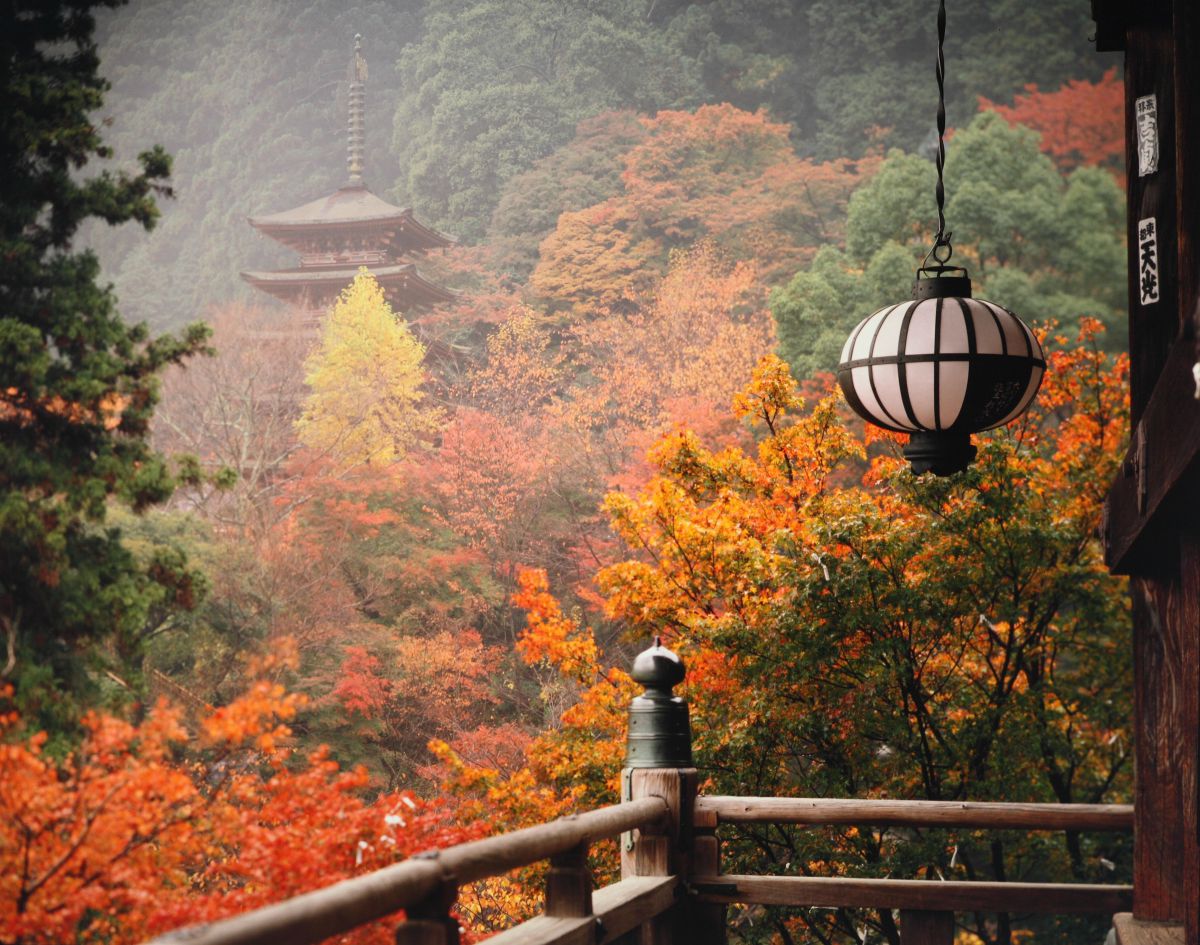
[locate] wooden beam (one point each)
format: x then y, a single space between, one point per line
1157 492
1166 845
315 916
816 811
841 892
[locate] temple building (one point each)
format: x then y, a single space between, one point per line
349 228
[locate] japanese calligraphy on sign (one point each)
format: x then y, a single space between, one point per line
1146 115
1147 238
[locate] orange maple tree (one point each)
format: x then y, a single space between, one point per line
962 637
718 172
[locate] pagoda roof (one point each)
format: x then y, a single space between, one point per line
290 284
348 207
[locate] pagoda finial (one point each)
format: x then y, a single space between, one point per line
357 120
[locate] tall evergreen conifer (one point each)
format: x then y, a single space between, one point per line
77 385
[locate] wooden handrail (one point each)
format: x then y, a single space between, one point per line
315 916
949 896
821 811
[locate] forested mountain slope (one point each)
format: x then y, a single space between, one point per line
464 95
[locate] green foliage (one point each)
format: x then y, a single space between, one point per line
869 67
77 385
1045 246
494 86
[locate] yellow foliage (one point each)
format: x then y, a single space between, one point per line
366 404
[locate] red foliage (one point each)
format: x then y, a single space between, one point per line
1081 123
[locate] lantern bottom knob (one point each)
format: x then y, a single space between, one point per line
939 452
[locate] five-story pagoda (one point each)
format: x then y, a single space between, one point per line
349 228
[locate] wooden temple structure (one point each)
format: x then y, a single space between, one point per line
1152 518
337 234
673 888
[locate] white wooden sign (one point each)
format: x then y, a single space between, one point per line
1147 238
1146 116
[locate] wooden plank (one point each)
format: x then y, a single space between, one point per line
631 902
1148 71
315 916
619 908
429 922
922 927
841 892
1131 931
707 923
816 811
656 850
546 930
1186 32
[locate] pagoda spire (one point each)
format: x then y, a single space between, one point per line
356 127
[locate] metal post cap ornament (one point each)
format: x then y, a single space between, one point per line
940 368
660 734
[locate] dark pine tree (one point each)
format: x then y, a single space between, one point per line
77 384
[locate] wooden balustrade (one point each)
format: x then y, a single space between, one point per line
421 884
672 889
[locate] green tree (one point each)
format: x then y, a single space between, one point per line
494 86
868 67
77 384
1044 245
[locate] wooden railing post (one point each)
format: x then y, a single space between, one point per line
569 885
926 927
707 921
658 763
429 921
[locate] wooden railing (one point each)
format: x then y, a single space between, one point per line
426 887
926 907
672 889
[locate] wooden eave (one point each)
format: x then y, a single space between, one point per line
404 280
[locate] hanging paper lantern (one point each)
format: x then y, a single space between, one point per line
944 365
941 367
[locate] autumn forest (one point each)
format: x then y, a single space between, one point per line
288 595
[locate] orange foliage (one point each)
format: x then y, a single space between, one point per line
123 840
718 173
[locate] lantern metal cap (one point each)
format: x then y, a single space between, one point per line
941 282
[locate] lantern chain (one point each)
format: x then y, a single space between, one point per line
942 249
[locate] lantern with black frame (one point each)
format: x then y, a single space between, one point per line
943 365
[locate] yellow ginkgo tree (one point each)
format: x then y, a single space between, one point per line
365 402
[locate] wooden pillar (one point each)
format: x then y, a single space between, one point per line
923 927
